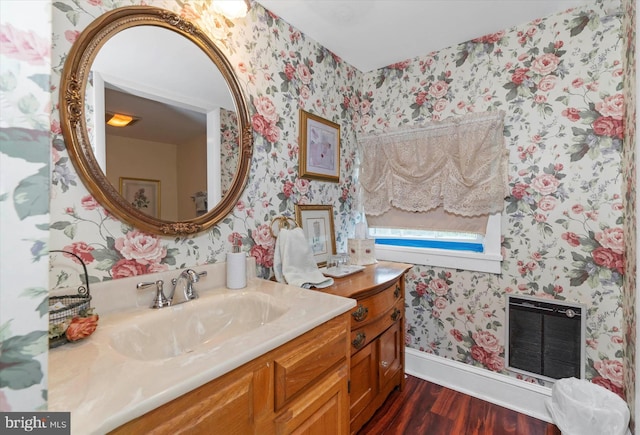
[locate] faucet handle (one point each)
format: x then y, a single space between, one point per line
142 285
198 274
160 300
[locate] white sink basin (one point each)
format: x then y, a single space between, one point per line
173 331
139 359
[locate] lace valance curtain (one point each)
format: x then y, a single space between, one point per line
458 165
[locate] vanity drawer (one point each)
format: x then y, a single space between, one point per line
376 338
370 309
297 370
360 337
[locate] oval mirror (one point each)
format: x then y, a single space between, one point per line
180 166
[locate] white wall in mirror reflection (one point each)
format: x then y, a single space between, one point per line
142 61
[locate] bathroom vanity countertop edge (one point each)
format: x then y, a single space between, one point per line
104 389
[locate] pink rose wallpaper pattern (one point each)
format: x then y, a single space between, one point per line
562 232
566 83
560 81
25 68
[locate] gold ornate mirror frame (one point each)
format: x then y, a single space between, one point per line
74 126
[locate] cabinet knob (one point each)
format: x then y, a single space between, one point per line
395 315
396 292
359 340
384 364
360 314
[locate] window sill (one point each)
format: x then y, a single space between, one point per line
473 261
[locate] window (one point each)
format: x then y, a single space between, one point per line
454 241
424 187
442 248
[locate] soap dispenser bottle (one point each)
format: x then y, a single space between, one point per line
236 268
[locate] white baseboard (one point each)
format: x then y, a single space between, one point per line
502 390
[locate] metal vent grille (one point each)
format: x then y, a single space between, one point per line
545 339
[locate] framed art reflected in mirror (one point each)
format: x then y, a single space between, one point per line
143 194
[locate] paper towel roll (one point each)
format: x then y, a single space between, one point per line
236 270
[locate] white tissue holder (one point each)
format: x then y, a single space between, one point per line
362 251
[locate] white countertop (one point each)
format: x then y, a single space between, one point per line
104 389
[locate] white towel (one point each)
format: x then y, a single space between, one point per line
293 262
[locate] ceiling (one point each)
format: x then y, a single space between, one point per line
367 34
371 34
173 101
159 122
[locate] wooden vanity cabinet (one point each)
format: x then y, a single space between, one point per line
321 360
376 336
300 387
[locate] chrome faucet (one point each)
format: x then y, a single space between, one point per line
183 289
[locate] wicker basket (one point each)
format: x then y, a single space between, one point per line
74 305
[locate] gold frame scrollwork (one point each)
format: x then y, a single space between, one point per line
74 128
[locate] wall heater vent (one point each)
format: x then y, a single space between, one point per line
545 338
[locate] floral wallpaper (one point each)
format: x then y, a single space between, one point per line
562 80
281 71
629 172
559 80
25 67
229 146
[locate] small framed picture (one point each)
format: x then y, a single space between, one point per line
319 148
142 193
317 223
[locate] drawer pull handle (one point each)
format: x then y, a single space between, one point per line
359 340
360 314
395 315
396 292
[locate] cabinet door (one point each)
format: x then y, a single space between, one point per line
323 410
229 407
363 379
389 353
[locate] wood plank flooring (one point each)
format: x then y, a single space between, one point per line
424 408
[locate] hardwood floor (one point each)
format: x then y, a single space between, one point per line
424 408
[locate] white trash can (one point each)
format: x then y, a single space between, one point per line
579 407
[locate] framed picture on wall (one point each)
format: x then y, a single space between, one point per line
319 148
316 222
142 193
